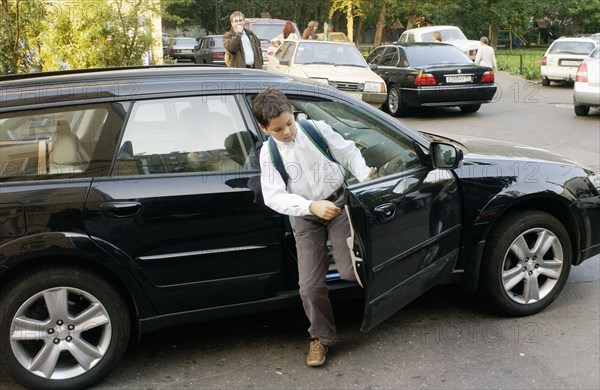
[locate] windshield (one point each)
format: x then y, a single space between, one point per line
571 47
329 53
185 41
266 31
440 54
450 34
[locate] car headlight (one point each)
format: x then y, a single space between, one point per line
373 86
595 180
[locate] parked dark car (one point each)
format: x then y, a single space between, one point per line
210 50
131 202
182 48
431 74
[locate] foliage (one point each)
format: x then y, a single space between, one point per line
19 30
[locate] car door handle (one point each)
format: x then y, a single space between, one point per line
385 212
121 209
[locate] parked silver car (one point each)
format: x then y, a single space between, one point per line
562 58
586 92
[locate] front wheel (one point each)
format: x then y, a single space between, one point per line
526 262
61 328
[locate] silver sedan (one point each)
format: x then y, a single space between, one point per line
586 92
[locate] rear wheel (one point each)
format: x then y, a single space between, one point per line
526 262
470 107
545 81
581 110
61 328
395 104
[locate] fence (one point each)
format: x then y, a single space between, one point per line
524 62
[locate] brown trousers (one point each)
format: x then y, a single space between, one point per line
311 233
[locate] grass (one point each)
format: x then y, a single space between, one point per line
523 62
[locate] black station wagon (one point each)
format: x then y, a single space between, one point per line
130 202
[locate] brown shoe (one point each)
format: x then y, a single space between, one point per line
316 353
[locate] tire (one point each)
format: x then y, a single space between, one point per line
54 302
545 81
470 107
394 102
581 110
519 279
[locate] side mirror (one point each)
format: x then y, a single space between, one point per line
284 62
373 67
445 156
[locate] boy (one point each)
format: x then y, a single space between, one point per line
314 195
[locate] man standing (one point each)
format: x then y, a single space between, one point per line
242 45
485 55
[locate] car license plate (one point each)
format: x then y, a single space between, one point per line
459 79
570 63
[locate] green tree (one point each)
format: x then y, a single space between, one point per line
111 33
20 27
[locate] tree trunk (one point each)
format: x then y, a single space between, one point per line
359 36
380 26
350 22
411 21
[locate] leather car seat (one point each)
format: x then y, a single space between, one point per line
63 150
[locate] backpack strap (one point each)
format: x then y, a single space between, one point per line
277 160
313 133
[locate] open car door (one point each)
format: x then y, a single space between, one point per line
406 236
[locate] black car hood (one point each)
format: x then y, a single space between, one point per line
478 148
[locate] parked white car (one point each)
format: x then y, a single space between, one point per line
335 63
450 34
563 57
586 92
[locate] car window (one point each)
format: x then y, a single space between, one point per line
452 34
440 54
381 145
409 38
375 55
194 134
571 47
390 57
595 54
402 60
266 31
77 141
185 41
328 53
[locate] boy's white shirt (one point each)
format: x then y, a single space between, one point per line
312 175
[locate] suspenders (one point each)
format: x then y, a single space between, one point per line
316 138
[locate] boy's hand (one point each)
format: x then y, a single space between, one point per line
372 173
324 209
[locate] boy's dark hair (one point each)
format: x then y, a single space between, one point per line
270 104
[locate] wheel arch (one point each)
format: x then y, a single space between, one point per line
552 204
83 257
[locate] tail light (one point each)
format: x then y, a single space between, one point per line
425 79
488 77
582 74
218 55
544 61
